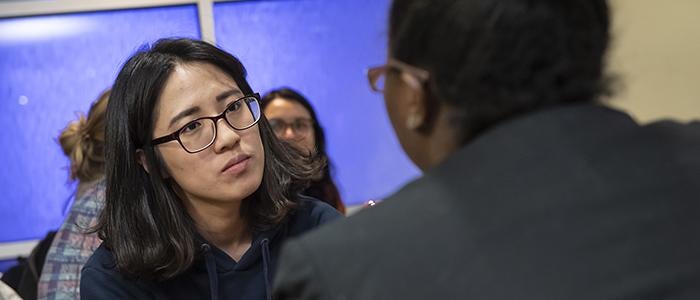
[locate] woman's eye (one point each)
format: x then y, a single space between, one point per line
234 106
299 126
275 124
192 127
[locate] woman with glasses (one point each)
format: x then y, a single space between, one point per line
294 120
200 194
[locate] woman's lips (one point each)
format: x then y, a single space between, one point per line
236 165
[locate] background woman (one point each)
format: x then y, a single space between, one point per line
294 120
83 142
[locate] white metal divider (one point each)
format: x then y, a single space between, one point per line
33 8
205 11
12 250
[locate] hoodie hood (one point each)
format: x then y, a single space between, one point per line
214 272
219 263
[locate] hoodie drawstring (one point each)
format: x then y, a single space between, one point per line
211 270
266 266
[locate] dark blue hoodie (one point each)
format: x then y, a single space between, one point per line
214 275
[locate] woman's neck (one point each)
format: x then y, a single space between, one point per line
222 225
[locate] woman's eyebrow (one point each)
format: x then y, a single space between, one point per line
229 93
188 112
192 110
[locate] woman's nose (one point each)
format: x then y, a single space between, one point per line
226 136
289 133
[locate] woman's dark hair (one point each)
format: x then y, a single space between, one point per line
493 59
324 188
144 222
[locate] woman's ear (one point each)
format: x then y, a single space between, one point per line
141 159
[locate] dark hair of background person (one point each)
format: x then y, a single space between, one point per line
144 222
561 48
324 189
83 142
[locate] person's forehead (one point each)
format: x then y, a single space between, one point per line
193 85
286 109
194 73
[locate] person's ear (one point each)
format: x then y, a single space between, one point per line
417 104
141 159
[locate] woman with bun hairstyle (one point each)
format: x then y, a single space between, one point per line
82 142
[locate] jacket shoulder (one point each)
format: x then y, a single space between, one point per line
309 265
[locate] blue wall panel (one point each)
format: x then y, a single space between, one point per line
323 48
50 68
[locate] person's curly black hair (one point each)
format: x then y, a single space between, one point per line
494 59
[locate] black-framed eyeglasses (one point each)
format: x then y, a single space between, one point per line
301 127
199 134
377 75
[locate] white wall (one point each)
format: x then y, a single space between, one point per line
656 50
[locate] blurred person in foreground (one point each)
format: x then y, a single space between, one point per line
532 189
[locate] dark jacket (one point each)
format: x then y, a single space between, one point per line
24 277
215 275
576 202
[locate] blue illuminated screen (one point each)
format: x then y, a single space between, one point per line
50 68
322 48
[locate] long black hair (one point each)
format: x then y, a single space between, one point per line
325 188
144 222
494 59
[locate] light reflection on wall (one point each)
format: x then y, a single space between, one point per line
40 29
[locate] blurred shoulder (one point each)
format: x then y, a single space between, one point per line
360 230
691 128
